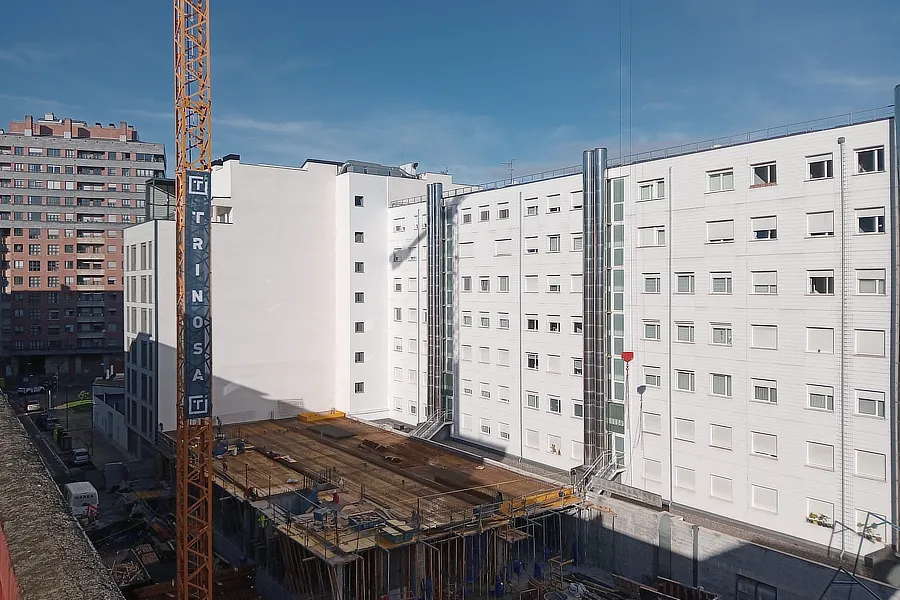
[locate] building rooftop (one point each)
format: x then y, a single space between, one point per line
50 125
51 555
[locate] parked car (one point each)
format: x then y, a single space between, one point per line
80 457
25 391
33 407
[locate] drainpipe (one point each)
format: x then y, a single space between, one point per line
669 242
895 316
521 373
841 141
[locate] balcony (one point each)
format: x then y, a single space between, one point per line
90 256
90 287
91 239
90 335
90 272
91 302
90 319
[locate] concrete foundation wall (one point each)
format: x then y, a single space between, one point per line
641 543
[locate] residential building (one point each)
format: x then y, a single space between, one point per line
67 190
299 282
712 325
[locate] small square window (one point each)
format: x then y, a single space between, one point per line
684 283
721 181
359 237
358 201
651 330
764 175
359 387
820 167
870 160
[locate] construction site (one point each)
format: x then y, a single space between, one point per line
330 507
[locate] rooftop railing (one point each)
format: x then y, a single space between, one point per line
843 120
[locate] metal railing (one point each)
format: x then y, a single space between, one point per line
433 424
843 120
606 466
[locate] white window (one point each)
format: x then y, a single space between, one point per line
553 203
503 357
484 355
764 228
577 325
412 346
720 436
553 363
652 283
820 455
359 327
577 451
820 283
398 285
720 231
553 324
764 337
869 342
765 390
820 340
684 381
532 323
359 297
532 437
501 247
764 498
467 319
577 409
652 423
467 284
466 352
871 464
467 422
720 283
720 334
503 393
413 409
555 405
764 175
532 400
870 282
413 316
870 404
531 245
820 397
466 216
398 404
721 181
359 387
413 376
577 200
870 220
531 360
652 190
503 321
359 357
684 332
552 243
485 426
577 283
398 344
553 284
764 282
870 160
577 366
399 224
531 211
684 283
503 210
484 213
651 330
503 284
484 319
577 242
652 470
467 387
684 429
503 429
820 224
763 444
554 444
652 236
467 249
484 284
652 376
721 385
531 283
820 166
398 374
720 487
485 390
820 508
685 479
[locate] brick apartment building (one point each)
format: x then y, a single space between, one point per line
67 191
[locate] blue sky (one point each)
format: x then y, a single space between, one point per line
464 85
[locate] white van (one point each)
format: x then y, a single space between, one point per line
79 496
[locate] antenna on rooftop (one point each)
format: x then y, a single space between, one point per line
511 165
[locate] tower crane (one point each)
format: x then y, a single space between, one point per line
194 444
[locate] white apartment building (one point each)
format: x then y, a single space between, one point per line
751 283
300 277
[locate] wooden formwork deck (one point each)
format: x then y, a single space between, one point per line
419 477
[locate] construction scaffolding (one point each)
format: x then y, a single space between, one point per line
332 508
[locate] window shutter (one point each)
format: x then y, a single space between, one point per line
820 455
820 222
720 230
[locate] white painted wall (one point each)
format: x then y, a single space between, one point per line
792 310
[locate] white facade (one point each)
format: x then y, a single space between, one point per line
286 296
